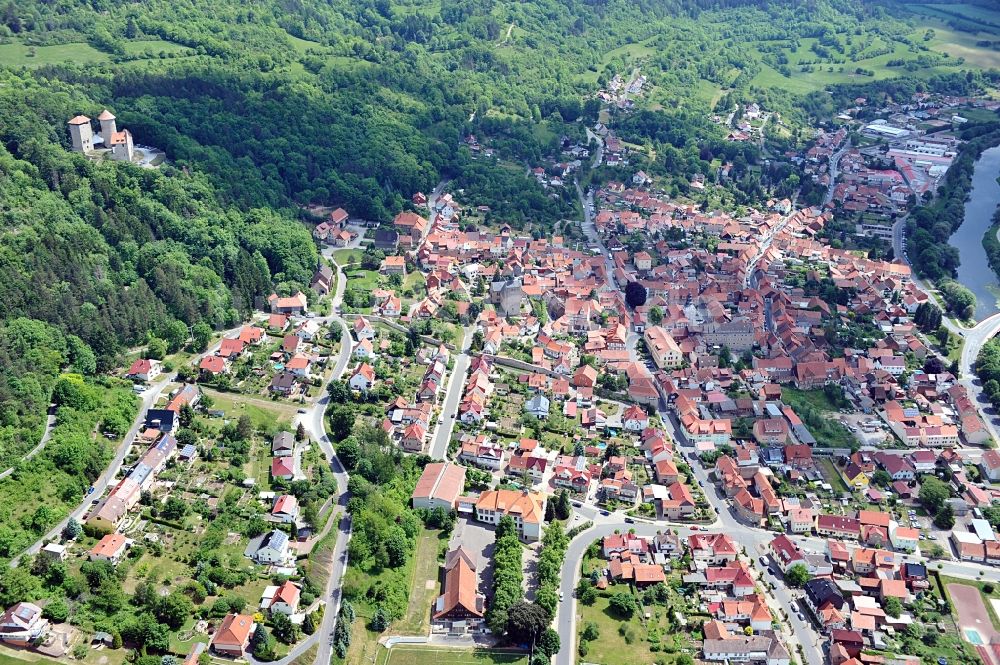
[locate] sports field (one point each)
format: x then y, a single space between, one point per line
414 654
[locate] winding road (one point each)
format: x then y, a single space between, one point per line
314 422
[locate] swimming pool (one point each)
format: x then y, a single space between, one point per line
973 636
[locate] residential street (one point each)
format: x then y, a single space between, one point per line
590 230
753 540
149 397
834 161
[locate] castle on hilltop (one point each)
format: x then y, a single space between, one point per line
119 143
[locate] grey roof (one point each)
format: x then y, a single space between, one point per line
741 645
276 539
537 403
821 590
283 440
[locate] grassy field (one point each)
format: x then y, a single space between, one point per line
419 654
828 432
423 587
263 413
817 399
18 54
832 475
366 280
10 656
975 13
963 45
622 642
944 40
347 255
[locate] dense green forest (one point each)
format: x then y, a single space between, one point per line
264 107
362 103
97 257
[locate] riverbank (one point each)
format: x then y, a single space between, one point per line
991 243
975 239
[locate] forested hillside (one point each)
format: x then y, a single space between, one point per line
263 107
109 254
362 103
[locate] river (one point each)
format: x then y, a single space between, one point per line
974 271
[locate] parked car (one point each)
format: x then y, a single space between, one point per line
763 561
629 520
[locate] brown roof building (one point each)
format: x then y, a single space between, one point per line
461 604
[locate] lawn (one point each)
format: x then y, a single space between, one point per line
263 413
17 54
624 642
10 656
832 475
347 255
424 587
816 399
418 655
364 280
308 657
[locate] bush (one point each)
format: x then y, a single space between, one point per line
623 604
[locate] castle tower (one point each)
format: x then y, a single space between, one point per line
121 146
81 134
108 126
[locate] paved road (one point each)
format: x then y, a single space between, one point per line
975 337
449 411
898 230
590 230
314 422
599 154
834 163
754 541
453 395
149 398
